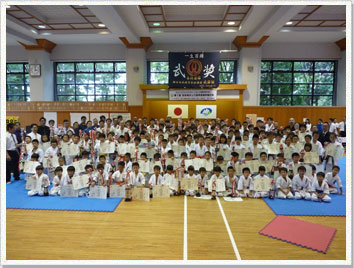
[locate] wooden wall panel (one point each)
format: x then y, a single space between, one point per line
26 118
136 111
283 113
226 109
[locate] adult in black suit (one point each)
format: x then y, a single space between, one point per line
42 128
324 136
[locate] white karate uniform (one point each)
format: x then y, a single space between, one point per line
119 176
51 151
160 180
284 184
203 181
229 181
332 182
56 185
43 180
136 179
302 187
128 166
258 194
35 136
244 184
320 189
120 132
189 148
39 152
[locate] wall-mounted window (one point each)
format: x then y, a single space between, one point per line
158 72
303 83
17 82
90 81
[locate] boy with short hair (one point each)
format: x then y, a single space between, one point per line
244 183
42 180
283 185
334 181
119 176
190 174
320 189
214 179
57 181
301 184
261 175
136 178
231 182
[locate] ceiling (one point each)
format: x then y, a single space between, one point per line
78 24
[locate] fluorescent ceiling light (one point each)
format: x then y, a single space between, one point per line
41 26
46 33
289 23
7 6
101 25
228 50
231 23
230 31
156 24
157 31
34 31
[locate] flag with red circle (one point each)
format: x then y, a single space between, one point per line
178 111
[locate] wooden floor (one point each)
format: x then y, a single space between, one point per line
154 230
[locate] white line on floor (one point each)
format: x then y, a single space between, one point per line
185 248
229 231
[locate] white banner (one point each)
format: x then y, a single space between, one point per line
192 94
205 111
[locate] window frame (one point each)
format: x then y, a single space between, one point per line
292 72
26 86
75 72
149 71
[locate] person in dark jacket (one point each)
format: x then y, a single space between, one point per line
42 128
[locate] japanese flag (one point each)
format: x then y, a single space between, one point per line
178 111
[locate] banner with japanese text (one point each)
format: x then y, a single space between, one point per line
193 70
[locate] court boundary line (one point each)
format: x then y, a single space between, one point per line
185 245
237 254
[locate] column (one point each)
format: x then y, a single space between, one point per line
136 75
249 72
42 88
341 80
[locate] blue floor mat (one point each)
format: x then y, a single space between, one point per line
16 197
337 207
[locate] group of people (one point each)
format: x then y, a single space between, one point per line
226 158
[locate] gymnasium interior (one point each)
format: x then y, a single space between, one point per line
278 61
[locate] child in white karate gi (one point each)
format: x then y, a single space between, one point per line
244 183
57 181
301 184
283 185
261 175
231 182
320 189
42 181
217 178
334 181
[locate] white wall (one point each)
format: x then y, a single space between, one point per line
89 52
300 51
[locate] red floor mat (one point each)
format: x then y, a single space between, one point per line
301 233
